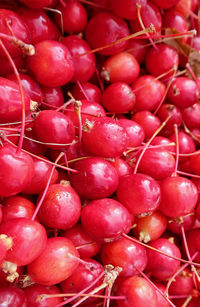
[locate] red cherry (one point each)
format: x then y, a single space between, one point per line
139 193
16 170
56 263
61 207
105 220
178 196
105 28
54 127
52 64
29 240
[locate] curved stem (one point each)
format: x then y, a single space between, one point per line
22 95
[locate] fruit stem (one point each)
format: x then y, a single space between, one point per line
177 150
20 144
172 278
82 90
154 286
94 4
193 76
143 26
117 42
46 188
26 48
82 291
61 17
159 251
194 271
166 91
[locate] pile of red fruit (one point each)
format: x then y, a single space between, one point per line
100 153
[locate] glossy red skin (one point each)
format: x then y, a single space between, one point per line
196 43
149 122
122 167
54 127
53 96
183 6
174 20
105 220
82 277
186 221
186 144
126 254
86 246
30 86
138 48
92 91
134 131
52 64
161 266
19 29
55 263
6 68
61 207
118 98
150 227
42 171
178 196
39 25
74 16
138 292
121 67
147 86
17 207
191 116
126 8
182 284
166 4
12 296
157 163
89 110
194 164
106 138
11 101
37 4
192 237
96 178
150 15
84 66
105 28
29 240
34 291
183 92
139 193
161 60
16 170
164 112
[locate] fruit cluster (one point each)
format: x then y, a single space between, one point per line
100 153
